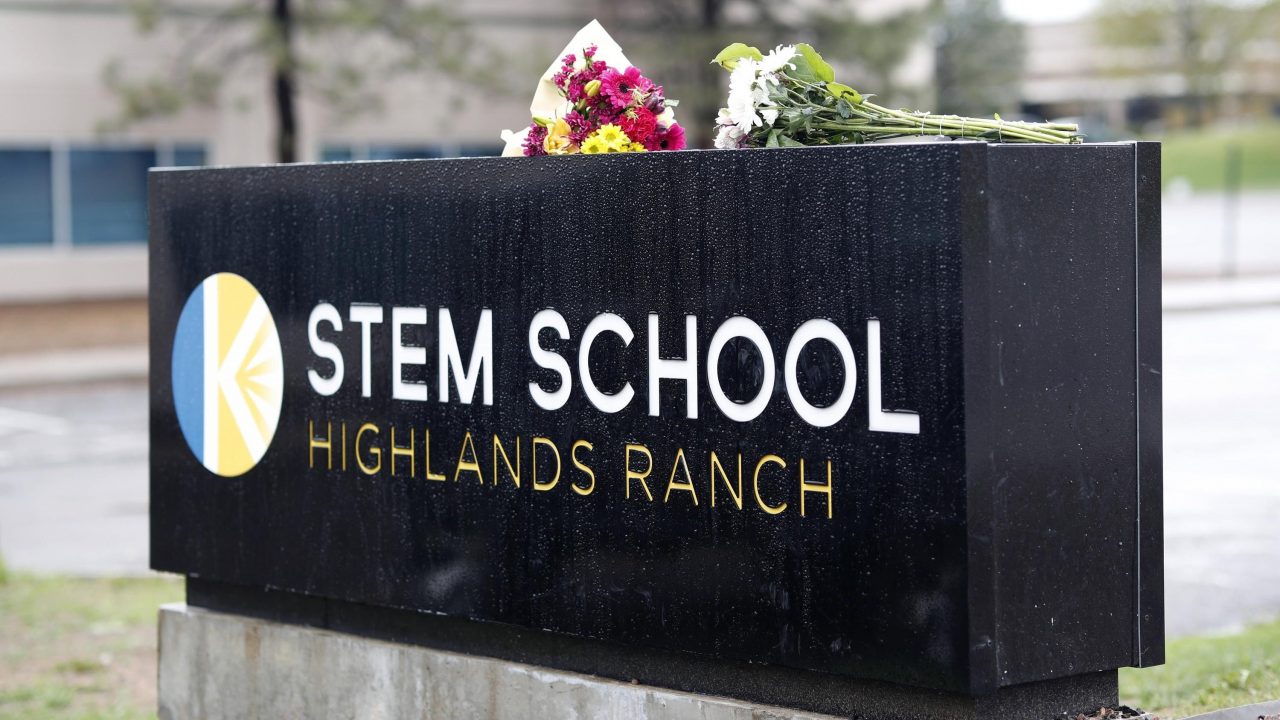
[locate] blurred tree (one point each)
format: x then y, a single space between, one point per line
1200 39
979 58
674 40
304 46
875 49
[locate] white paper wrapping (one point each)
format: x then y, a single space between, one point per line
547 101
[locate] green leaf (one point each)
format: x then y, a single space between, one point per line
802 70
786 141
794 119
844 108
773 139
819 66
845 92
728 58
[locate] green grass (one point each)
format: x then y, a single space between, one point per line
73 649
76 649
1201 156
1208 673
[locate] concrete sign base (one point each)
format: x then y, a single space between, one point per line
216 665
225 665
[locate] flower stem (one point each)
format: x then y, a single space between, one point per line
985 126
887 121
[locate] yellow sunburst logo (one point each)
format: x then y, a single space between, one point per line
228 375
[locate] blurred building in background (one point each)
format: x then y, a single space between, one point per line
1152 66
95 92
80 84
73 189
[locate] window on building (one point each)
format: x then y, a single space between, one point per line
339 152
404 152
189 156
82 195
480 150
26 197
109 195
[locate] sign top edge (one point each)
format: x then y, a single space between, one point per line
634 157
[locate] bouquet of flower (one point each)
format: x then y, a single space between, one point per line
597 106
790 98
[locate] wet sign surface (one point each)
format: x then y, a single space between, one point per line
868 411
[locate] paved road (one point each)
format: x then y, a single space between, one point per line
73 479
73 474
1222 471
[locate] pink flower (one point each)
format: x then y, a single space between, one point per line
566 70
625 98
639 124
533 141
671 138
579 127
621 87
576 90
606 113
657 101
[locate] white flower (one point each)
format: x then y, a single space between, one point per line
729 137
742 95
776 60
749 105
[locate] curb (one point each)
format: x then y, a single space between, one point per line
73 366
1244 712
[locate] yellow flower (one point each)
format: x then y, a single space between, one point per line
594 144
613 135
557 141
636 147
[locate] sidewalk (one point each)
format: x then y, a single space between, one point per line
86 365
1221 293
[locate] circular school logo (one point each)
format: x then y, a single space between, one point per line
228 376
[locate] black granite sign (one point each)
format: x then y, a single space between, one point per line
887 412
